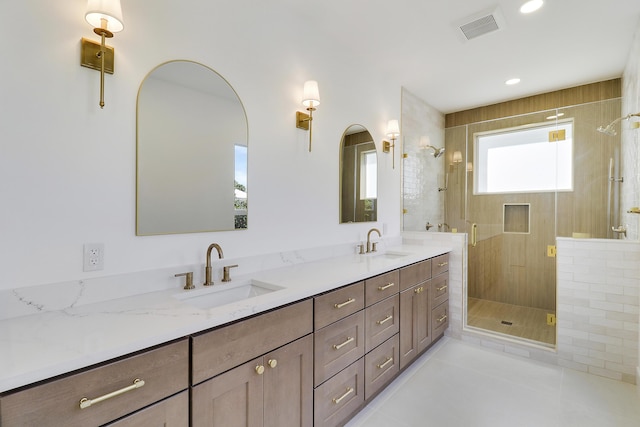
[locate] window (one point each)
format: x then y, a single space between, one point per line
523 160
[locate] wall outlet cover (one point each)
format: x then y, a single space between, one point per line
93 259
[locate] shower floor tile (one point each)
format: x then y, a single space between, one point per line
523 322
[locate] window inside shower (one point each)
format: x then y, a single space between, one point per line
530 158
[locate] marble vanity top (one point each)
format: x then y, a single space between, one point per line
49 343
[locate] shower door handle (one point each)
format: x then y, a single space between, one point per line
474 234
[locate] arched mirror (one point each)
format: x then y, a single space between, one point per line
358 176
192 147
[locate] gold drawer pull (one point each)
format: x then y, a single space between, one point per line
385 320
347 302
442 288
386 362
337 400
419 290
260 369
442 264
85 403
442 319
339 346
272 363
387 286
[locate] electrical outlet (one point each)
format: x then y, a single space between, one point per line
93 257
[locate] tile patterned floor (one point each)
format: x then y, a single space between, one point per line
458 384
526 322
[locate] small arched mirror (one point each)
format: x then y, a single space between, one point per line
358 176
192 146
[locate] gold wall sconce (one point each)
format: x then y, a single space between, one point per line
310 99
105 16
393 132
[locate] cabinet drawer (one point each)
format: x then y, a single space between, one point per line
440 319
337 399
415 273
219 350
338 304
381 287
439 264
164 370
337 346
439 289
173 412
380 366
382 321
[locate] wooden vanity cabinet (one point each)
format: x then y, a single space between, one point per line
164 370
241 379
271 391
415 322
172 412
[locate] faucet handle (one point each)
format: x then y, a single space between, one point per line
188 284
225 272
374 246
361 248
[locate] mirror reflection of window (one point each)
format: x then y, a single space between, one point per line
240 187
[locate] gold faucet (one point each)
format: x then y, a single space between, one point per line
207 269
369 248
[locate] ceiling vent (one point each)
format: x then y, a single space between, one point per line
480 24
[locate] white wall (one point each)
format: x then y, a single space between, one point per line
67 168
630 196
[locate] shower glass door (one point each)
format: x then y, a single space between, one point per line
512 180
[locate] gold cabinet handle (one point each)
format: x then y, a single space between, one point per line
419 290
386 362
442 264
442 288
337 400
85 403
259 369
442 319
347 302
339 346
385 320
272 363
387 286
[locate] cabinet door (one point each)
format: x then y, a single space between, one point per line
415 317
232 399
172 412
288 385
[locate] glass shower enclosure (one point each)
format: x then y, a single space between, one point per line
514 185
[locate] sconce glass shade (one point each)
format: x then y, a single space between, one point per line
311 94
457 157
109 10
393 129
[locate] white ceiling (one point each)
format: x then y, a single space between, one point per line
416 42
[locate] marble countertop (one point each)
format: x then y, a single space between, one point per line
40 346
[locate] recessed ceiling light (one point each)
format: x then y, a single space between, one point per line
531 6
512 81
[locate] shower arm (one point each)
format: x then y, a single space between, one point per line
619 119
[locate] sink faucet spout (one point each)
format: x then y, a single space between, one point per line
207 269
369 248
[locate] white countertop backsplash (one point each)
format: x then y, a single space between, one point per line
52 329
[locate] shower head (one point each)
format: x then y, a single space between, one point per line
437 152
609 130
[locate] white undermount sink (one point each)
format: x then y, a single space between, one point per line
225 293
389 255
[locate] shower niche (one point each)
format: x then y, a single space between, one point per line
516 218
